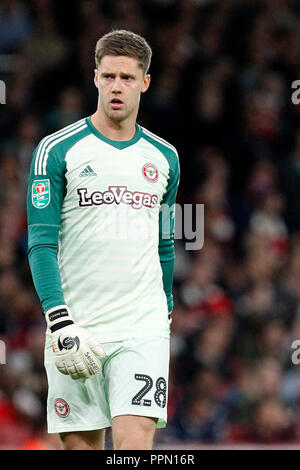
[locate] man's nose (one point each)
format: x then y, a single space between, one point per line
116 86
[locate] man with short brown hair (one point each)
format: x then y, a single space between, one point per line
102 191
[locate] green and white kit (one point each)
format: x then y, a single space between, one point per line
101 230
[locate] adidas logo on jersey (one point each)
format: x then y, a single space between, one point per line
88 171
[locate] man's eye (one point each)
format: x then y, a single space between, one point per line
127 78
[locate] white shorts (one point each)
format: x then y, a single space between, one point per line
134 381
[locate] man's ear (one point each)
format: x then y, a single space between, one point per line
146 83
96 78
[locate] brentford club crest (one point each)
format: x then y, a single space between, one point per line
150 172
62 408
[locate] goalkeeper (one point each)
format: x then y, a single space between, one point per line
101 198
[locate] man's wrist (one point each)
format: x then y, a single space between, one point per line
58 317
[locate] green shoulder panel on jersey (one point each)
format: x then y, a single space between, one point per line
47 183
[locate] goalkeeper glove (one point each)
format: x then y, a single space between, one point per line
75 349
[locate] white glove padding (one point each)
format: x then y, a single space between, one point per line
76 351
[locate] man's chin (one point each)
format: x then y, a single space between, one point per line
117 115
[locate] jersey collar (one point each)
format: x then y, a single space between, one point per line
119 144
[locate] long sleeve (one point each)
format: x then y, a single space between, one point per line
45 195
166 230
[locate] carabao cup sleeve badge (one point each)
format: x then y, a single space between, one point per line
40 193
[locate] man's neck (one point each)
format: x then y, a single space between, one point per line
113 130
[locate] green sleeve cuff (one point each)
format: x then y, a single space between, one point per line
167 259
167 270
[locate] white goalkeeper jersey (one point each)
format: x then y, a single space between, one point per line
99 201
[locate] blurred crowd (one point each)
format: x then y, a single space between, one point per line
221 89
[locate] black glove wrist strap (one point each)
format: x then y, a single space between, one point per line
60 325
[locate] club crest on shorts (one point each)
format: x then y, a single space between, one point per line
150 172
61 407
40 194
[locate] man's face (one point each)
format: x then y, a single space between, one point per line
120 81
